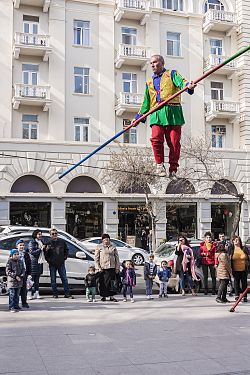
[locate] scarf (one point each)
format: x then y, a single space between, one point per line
208 245
188 257
40 244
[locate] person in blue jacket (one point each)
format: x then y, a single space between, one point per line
164 274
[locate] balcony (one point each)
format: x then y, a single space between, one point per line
133 10
45 4
128 102
221 109
32 95
212 60
219 20
31 45
132 55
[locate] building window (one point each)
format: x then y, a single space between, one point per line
172 4
173 44
82 33
81 80
81 125
30 74
30 24
213 4
218 136
217 91
129 35
130 136
216 47
129 82
29 126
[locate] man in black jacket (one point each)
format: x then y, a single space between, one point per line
25 258
56 254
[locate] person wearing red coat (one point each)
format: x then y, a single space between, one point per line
207 253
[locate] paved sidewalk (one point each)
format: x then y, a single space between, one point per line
174 336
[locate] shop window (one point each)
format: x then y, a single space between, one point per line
83 184
84 219
223 186
181 186
181 218
222 218
29 184
30 214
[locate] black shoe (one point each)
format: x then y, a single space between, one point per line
226 301
55 296
103 299
205 293
113 299
26 305
218 300
18 308
69 296
213 293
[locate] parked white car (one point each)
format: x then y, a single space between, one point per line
77 264
125 251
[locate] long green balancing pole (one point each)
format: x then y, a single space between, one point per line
156 108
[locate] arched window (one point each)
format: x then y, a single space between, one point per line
83 184
224 187
213 4
29 184
181 186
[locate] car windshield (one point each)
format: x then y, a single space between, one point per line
165 250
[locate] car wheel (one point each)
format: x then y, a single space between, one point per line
138 259
3 285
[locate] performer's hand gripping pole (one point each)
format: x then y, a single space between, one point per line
156 108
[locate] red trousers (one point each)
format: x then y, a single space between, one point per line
172 134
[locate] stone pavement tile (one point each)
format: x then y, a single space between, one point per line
162 369
112 359
142 356
119 370
65 363
21 363
235 362
202 367
31 372
72 371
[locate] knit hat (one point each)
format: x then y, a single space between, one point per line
13 251
19 241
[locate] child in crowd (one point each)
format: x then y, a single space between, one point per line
90 282
150 271
15 272
128 280
25 258
164 274
224 273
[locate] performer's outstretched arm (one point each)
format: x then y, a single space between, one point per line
181 82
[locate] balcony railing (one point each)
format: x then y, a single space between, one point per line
132 9
132 55
128 102
31 95
219 20
213 60
32 39
32 45
221 108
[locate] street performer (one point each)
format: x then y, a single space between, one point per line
167 121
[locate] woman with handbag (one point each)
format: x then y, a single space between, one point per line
185 265
36 251
108 266
240 266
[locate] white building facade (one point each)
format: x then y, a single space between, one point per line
73 74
